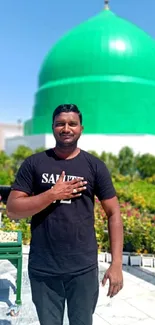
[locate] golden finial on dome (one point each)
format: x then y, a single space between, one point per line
106 4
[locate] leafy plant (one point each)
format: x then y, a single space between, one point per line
22 226
139 229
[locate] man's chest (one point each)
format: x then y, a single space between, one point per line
47 175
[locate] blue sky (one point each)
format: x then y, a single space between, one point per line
29 28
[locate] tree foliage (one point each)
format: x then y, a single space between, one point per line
146 165
125 163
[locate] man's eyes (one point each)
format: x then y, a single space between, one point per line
73 124
63 124
59 124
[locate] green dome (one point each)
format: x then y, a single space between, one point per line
106 66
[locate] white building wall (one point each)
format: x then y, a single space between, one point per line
8 131
31 141
114 143
111 143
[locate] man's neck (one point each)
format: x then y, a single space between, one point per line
66 153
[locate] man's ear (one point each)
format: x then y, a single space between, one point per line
82 128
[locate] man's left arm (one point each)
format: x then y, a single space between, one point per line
115 228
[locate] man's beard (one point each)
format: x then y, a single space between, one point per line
62 144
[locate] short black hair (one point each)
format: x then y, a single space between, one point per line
67 108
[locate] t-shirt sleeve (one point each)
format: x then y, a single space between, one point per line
24 178
104 188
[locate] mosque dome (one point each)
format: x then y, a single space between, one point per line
106 66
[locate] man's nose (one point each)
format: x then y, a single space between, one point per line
66 127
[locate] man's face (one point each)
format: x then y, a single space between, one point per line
67 129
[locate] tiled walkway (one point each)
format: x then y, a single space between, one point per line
134 305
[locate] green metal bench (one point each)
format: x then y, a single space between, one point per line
12 251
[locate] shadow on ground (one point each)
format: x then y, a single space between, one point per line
5 286
140 273
4 322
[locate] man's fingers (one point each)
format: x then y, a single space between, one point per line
80 185
76 180
61 178
114 289
104 280
79 189
78 192
76 195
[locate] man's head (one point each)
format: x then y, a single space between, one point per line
67 125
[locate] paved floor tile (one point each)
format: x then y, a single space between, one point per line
134 305
147 321
97 320
120 313
144 303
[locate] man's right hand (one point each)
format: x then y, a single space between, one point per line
68 189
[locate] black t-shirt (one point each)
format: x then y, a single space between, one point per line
63 235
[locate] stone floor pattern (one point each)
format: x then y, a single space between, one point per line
134 305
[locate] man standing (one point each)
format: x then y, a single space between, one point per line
57 188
